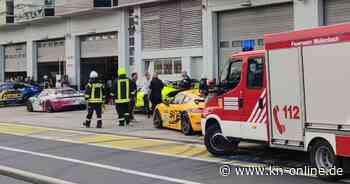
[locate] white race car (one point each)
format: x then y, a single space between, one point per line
52 100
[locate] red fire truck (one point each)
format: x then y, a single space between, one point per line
294 95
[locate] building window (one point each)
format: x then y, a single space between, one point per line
236 43
158 67
177 66
131 61
132 41
9 8
167 66
131 51
224 44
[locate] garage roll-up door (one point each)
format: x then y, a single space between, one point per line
172 24
99 45
15 58
51 51
251 23
336 11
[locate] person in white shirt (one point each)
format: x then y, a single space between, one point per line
146 92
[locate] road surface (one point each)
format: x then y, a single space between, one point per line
88 164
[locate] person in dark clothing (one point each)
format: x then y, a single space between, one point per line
186 82
203 87
156 88
95 96
121 94
133 91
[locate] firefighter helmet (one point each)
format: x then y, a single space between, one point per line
93 74
121 71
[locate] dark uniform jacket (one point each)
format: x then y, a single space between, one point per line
156 88
123 90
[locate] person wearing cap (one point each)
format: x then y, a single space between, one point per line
95 96
122 94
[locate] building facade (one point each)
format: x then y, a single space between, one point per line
163 36
227 22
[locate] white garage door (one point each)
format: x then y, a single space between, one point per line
99 45
251 23
337 11
15 58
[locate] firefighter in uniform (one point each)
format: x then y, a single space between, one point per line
95 96
121 94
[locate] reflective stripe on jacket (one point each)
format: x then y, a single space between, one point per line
94 93
123 91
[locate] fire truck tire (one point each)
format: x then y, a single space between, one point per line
322 156
157 120
216 144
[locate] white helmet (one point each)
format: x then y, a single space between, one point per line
45 77
93 74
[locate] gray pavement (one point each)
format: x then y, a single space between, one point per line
8 180
163 167
73 120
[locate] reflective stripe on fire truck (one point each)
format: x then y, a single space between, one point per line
231 103
259 115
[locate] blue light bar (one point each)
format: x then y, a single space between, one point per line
248 45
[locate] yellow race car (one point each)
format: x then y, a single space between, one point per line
183 112
166 95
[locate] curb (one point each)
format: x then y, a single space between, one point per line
30 177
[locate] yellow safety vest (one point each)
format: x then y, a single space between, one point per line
96 95
123 91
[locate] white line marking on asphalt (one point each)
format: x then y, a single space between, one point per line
108 167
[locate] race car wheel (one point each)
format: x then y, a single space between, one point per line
217 144
157 120
49 107
322 156
29 106
186 127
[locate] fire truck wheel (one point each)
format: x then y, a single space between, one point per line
217 144
322 156
157 120
186 127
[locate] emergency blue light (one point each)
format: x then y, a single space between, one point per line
248 45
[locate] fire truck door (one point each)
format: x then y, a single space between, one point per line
286 83
254 100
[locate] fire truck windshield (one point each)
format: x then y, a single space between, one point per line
231 75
